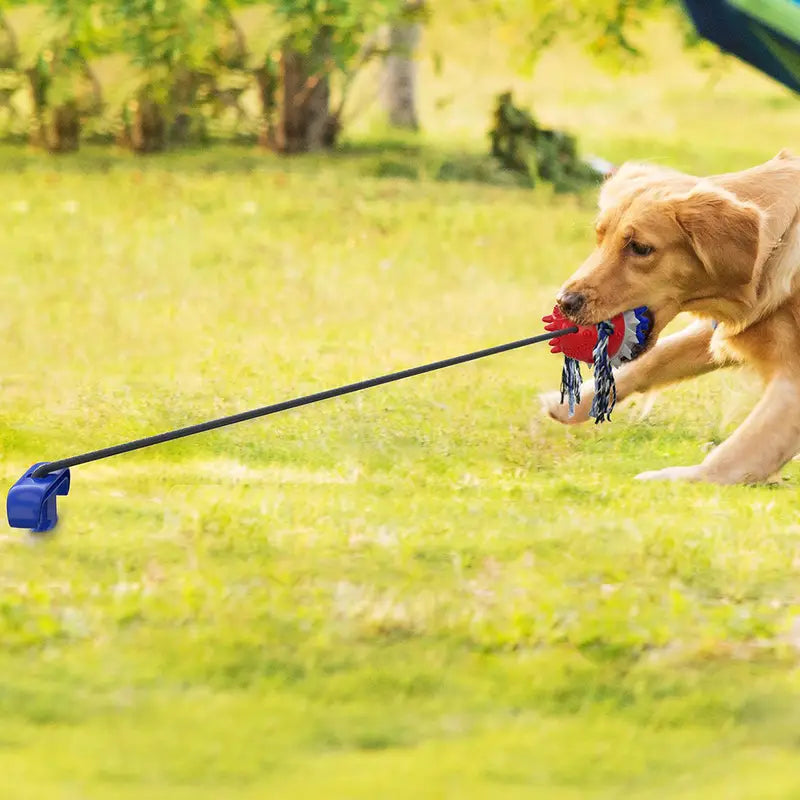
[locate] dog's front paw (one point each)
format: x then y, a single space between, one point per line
672 474
552 405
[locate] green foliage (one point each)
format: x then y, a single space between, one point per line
347 20
522 146
607 28
195 58
189 57
164 35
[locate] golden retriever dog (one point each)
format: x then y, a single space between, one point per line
726 249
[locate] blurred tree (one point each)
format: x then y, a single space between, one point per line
325 40
300 54
193 61
172 42
399 81
305 122
48 48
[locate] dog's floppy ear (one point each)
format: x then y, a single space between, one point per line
724 233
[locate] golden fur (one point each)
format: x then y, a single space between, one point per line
725 248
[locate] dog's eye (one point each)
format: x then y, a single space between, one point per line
638 248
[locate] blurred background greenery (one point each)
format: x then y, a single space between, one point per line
292 75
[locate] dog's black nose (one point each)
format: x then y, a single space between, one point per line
571 302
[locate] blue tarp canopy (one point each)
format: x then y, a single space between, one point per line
764 33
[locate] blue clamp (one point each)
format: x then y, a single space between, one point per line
31 502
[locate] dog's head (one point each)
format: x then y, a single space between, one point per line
667 241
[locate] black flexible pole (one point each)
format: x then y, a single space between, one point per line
180 433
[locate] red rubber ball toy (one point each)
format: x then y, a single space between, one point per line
581 345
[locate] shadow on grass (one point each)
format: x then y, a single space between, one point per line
403 158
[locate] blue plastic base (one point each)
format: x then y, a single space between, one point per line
31 502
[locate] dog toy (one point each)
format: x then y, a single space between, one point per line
31 501
605 345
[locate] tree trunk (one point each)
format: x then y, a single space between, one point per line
187 124
146 128
62 134
400 71
56 128
304 123
267 82
38 83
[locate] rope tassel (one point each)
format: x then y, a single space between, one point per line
571 381
605 389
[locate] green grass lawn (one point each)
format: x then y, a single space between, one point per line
423 591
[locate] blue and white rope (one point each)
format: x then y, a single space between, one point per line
605 390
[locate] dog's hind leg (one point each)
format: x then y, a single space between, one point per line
758 448
682 355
